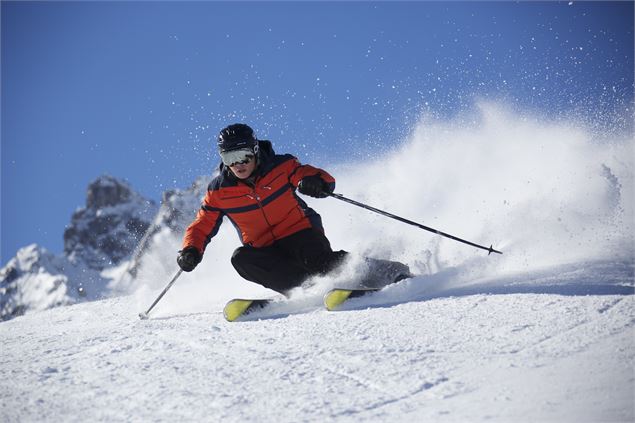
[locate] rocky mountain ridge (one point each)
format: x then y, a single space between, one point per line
111 231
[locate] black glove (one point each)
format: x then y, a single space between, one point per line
314 186
188 258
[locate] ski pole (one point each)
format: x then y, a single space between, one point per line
490 250
143 315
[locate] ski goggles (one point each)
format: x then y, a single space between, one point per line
234 157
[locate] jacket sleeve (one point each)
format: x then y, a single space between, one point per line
205 226
300 171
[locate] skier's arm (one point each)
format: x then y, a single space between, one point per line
205 226
300 172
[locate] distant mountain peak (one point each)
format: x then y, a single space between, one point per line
108 191
109 228
114 228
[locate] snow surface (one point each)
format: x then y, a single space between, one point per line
544 332
549 353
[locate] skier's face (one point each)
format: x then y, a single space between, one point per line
244 170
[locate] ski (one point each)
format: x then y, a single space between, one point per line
335 297
238 307
243 306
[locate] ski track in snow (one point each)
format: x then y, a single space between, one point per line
513 349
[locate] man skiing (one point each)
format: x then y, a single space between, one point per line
283 239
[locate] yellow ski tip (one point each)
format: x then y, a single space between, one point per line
235 308
335 297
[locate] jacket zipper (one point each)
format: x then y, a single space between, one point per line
262 209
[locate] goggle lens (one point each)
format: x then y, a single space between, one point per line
234 157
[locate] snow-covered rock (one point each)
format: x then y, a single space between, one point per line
33 280
108 229
101 235
104 242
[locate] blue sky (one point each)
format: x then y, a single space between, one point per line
139 90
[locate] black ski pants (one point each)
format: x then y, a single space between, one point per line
289 261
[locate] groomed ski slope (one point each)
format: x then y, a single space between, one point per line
551 346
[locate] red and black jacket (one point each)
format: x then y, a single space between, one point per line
263 212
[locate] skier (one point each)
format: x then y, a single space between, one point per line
283 239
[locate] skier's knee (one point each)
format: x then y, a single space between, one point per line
238 257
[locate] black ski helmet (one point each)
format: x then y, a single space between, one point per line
236 137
